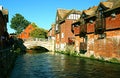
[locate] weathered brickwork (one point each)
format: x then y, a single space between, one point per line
77 30
57 43
68 32
77 43
113 22
90 27
108 47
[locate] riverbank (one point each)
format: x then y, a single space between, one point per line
102 59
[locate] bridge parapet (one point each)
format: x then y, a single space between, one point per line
45 43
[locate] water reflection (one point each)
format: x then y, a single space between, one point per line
54 65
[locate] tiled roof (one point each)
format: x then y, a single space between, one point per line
90 11
62 13
107 5
116 4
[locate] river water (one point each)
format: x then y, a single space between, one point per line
54 65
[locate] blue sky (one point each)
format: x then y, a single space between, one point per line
43 12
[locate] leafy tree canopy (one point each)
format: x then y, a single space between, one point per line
19 23
38 32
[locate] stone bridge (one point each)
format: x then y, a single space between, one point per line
45 43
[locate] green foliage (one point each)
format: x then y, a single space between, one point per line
38 33
92 57
19 23
114 60
34 25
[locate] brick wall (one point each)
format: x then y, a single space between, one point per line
90 27
66 29
113 22
108 47
26 33
77 30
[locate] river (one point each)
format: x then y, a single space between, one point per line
55 65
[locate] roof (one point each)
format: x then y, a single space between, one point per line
90 11
63 14
107 4
116 4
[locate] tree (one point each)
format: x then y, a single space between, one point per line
19 23
38 32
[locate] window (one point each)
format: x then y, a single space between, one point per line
56 26
113 15
91 21
57 18
62 35
73 16
102 36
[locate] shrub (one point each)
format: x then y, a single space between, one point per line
114 60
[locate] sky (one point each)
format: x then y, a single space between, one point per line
43 12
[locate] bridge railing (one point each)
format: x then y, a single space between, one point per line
7 57
35 39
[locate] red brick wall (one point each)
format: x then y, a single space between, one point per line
90 27
68 32
78 40
76 30
113 22
26 33
63 30
57 41
90 42
66 29
108 47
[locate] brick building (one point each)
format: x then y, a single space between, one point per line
51 32
51 36
3 27
98 30
64 19
26 33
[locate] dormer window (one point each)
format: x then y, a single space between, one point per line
113 15
91 21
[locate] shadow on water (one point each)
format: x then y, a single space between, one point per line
38 49
55 65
